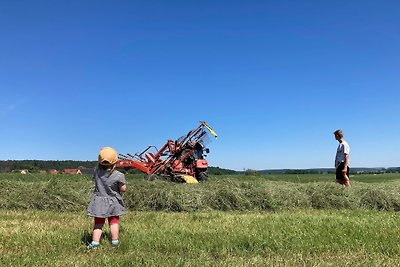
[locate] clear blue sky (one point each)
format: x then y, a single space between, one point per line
273 78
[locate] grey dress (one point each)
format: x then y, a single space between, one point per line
106 200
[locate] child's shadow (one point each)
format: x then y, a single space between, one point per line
86 236
106 236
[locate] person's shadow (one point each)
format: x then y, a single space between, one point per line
86 236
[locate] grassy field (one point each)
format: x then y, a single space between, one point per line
223 193
295 238
268 220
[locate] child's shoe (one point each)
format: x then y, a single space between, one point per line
114 243
93 245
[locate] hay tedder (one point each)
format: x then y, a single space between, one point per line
182 160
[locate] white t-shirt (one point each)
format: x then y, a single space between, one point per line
342 149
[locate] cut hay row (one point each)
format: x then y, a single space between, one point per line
72 193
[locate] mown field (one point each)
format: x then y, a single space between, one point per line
221 193
269 220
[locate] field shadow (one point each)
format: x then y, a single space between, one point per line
86 237
106 236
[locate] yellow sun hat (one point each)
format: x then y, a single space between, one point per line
108 156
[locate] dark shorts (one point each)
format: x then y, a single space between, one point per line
339 174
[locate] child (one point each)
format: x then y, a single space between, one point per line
106 201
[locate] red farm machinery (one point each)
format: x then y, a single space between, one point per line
182 160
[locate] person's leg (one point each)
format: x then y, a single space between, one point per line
114 229
339 176
346 176
97 231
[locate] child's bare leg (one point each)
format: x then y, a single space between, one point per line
97 230
114 229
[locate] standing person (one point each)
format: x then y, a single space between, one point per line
106 201
342 160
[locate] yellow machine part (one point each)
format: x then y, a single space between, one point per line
209 129
189 179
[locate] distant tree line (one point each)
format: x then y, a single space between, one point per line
392 170
220 171
352 171
36 165
306 172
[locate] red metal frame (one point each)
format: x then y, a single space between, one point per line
183 156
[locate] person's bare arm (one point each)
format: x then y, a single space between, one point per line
122 187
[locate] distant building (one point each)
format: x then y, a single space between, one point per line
72 171
52 171
87 171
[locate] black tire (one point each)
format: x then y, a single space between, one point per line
151 177
203 176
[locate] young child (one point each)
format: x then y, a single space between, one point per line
106 201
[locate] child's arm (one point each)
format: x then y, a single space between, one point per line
122 187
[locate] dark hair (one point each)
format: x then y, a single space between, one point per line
338 133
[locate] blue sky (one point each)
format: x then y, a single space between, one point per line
273 78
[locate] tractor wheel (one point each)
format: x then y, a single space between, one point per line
151 177
203 176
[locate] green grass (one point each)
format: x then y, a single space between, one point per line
286 238
267 220
308 178
294 178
